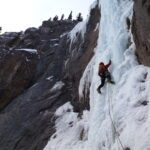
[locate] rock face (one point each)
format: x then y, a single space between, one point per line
40 82
22 68
141 30
82 53
18 69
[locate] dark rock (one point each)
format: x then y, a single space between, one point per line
141 30
82 135
141 102
16 75
82 52
128 23
144 103
127 148
9 39
27 105
27 122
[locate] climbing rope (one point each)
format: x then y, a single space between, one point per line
113 124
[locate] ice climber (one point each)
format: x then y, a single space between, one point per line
104 74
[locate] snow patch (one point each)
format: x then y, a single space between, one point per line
28 50
56 44
97 27
79 28
27 59
70 129
50 78
64 109
54 39
58 86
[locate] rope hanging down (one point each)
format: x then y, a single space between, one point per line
116 132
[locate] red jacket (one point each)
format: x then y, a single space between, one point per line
103 68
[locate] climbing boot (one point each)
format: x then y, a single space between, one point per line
98 90
112 82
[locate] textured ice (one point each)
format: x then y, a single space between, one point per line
119 118
79 28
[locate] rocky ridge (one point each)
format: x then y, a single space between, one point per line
41 81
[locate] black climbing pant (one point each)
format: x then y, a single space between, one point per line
104 76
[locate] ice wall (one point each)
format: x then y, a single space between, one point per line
119 118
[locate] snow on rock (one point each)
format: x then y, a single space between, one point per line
27 59
71 131
56 44
50 78
97 26
93 4
119 118
58 86
63 109
28 50
79 28
57 39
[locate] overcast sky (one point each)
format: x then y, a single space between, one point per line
16 15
